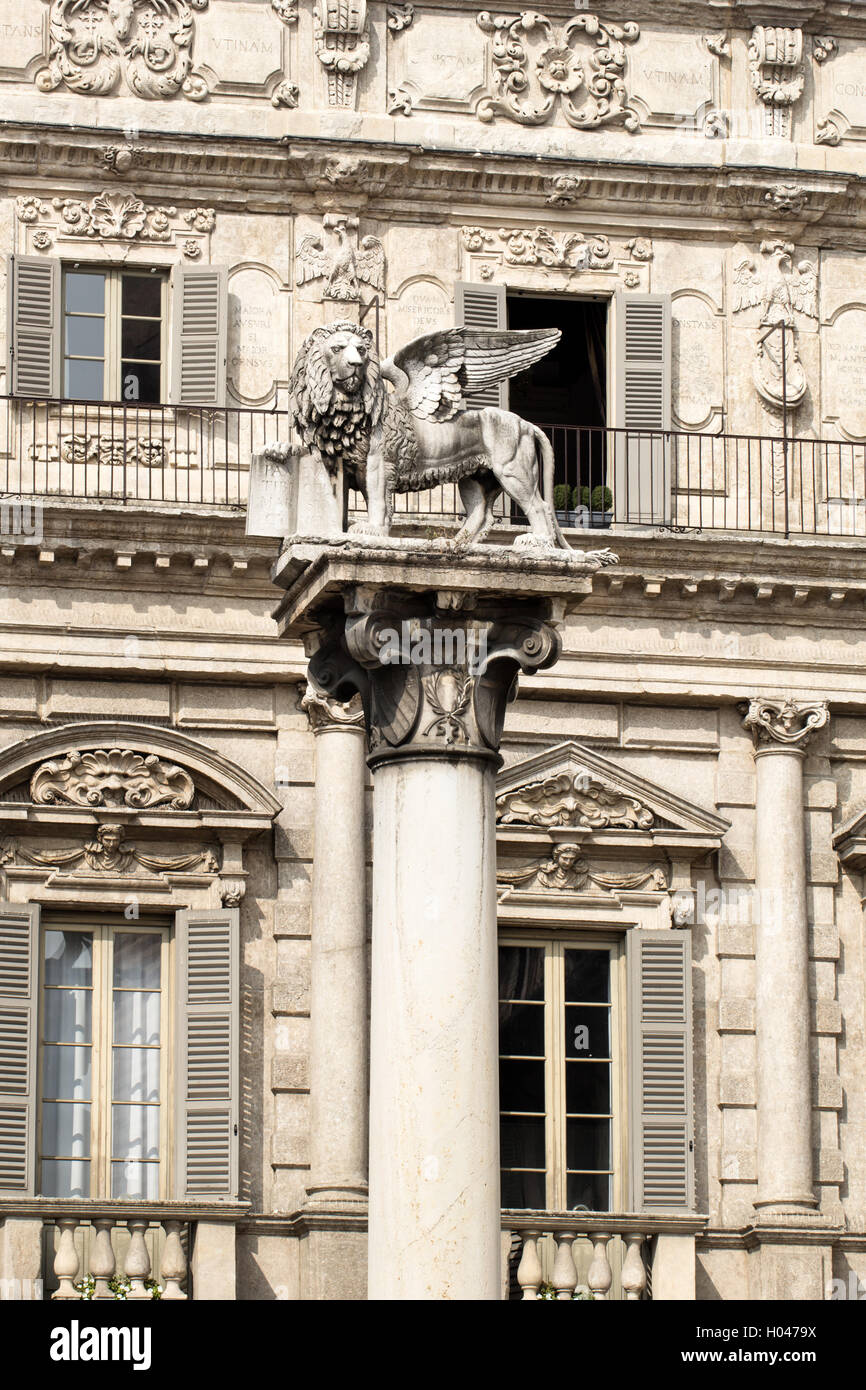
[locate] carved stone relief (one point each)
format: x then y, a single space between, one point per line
538 66
438 65
115 215
778 74
108 853
342 43
400 17
572 799
339 258
119 159
564 190
23 34
148 45
788 722
112 777
566 871
541 246
421 305
840 104
675 80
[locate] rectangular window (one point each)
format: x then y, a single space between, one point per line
560 1075
114 335
103 1061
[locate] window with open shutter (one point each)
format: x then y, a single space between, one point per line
482 307
19 968
642 471
198 326
660 1033
34 318
207 1038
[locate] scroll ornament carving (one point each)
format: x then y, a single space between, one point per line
400 17
286 10
109 853
718 44
339 258
107 449
572 799
541 246
777 73
324 713
112 777
790 722
535 66
116 215
342 43
823 47
567 871
148 43
286 94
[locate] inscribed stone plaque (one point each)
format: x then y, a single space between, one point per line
443 57
672 74
845 372
422 307
843 85
698 360
241 42
258 333
21 36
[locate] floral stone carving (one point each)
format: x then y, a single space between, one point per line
147 43
541 246
116 215
572 799
112 777
109 853
567 871
342 46
537 65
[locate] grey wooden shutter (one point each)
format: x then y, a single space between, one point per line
208 1044
34 326
483 307
660 1047
642 480
198 335
19 997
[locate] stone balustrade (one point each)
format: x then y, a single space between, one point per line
135 1251
599 1256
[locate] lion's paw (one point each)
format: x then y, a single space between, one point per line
366 528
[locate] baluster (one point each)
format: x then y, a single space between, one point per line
66 1262
529 1269
102 1261
173 1266
137 1259
564 1269
633 1270
600 1275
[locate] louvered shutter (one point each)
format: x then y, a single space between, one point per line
642 481
198 332
483 307
19 994
34 318
660 1045
207 1045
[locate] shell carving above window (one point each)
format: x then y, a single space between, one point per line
112 777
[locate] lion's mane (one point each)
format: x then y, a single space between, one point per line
334 426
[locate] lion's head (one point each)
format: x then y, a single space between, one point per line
337 393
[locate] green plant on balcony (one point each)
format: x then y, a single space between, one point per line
119 1285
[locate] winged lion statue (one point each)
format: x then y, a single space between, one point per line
422 432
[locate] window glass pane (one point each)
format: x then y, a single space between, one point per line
65 1178
588 1190
587 977
587 1031
66 1129
142 295
137 960
521 1086
524 1191
140 338
132 1179
66 1073
522 1143
136 1073
588 1144
83 381
85 292
587 1088
84 337
68 958
139 381
67 1015
135 1131
521 1029
136 1017
521 972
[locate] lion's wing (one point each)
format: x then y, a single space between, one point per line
442 367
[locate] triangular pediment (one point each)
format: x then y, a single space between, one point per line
571 786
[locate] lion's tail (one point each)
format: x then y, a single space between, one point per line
546 465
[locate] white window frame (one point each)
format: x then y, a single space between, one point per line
112 382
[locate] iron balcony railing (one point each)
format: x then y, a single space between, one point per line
667 480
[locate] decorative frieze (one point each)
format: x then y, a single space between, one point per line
785 722
340 259
778 74
112 777
146 43
115 215
537 66
541 246
342 43
107 853
566 871
572 799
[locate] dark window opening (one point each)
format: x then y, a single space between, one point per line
565 394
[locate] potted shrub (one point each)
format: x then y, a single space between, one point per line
561 499
601 506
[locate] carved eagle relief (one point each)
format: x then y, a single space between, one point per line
781 289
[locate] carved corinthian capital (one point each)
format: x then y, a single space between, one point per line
788 723
432 682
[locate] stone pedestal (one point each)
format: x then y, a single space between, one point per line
433 643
